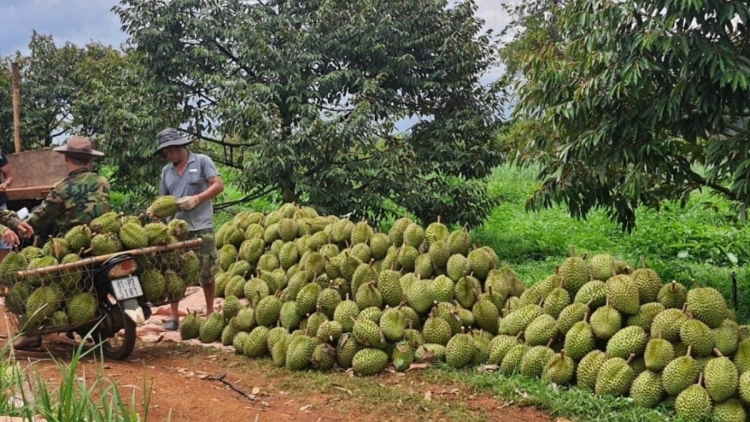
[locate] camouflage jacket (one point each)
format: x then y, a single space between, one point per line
77 199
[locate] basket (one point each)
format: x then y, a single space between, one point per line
62 297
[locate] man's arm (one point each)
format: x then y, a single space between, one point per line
215 188
9 221
215 184
7 176
52 207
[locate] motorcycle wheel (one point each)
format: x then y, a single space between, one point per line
106 333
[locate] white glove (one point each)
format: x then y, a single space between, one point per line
187 203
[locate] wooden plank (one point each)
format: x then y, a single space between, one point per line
36 169
31 192
16 106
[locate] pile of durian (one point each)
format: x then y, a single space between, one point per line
323 292
66 297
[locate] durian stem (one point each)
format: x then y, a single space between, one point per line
718 353
700 378
630 358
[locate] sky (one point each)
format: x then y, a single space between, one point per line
82 21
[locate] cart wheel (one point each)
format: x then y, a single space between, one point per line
113 345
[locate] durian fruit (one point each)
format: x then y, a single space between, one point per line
647 390
190 327
164 207
707 305
154 285
179 229
369 362
648 281
157 233
56 247
575 271
41 304
81 308
78 237
459 352
658 354
615 377
403 356
12 263
560 369
176 286
105 244
106 223
210 330
672 295
693 403
133 236
720 377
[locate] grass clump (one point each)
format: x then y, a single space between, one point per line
25 393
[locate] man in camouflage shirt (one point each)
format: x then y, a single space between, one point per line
77 199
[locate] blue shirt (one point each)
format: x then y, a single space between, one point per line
194 180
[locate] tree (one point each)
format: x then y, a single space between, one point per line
633 96
304 97
49 87
119 107
533 24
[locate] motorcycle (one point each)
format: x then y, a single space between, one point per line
121 306
120 301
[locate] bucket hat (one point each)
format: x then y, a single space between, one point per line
79 146
171 138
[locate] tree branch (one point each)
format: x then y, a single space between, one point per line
250 197
737 129
236 61
216 141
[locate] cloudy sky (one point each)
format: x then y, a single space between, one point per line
81 21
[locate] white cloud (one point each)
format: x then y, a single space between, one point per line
81 21
77 21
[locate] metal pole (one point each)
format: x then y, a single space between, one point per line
734 289
16 106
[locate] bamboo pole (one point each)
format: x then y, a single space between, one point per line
16 106
186 244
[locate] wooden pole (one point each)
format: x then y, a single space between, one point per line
16 106
151 250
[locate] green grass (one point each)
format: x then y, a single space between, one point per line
682 244
26 393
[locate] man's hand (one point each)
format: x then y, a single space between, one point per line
150 213
9 237
3 187
189 202
25 229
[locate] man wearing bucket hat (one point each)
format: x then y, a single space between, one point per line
77 199
193 179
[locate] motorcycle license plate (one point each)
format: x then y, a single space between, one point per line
127 287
